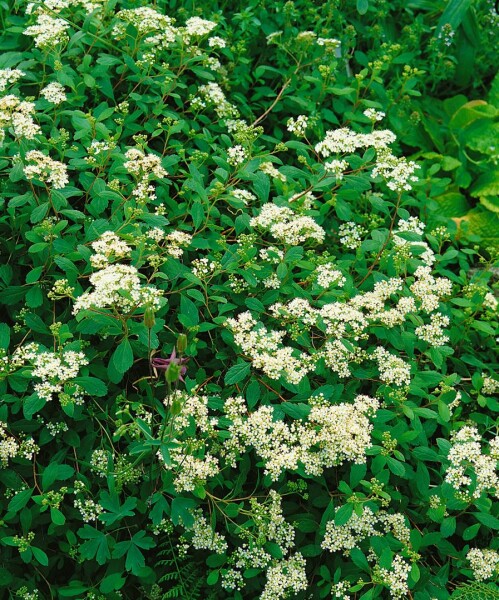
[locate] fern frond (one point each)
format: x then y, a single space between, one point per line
475 590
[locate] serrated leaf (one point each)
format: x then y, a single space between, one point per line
237 373
122 357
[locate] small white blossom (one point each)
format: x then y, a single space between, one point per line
54 93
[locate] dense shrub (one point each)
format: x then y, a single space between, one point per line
244 351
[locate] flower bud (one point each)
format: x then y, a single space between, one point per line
175 407
173 372
149 319
182 343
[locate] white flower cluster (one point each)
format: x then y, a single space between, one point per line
484 563
428 289
326 276
17 114
143 167
329 43
191 463
144 18
392 369
98 148
195 26
404 247
54 93
490 386
351 234
190 471
243 195
269 169
9 76
176 241
490 301
396 577
297 126
397 172
265 349
89 509
204 538
217 42
48 31
46 169
203 267
108 246
332 434
286 577
236 155
55 369
287 226
117 286
342 141
433 333
336 167
8 445
271 254
374 115
213 94
343 538
471 473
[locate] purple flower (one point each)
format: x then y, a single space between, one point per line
162 364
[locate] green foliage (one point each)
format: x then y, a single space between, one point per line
247 344
476 591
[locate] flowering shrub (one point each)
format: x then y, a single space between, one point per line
235 360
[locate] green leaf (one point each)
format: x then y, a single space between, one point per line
471 532
96 545
40 556
181 511
362 6
487 520
33 404
57 517
56 472
198 214
4 336
453 14
111 583
19 501
189 316
39 213
116 510
359 559
237 373
343 514
75 588
92 385
122 358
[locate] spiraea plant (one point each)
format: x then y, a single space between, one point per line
235 362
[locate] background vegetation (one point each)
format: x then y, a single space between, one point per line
248 335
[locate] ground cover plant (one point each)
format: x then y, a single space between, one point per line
248 309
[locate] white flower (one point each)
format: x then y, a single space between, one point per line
117 286
374 115
484 563
286 226
236 155
392 369
46 169
48 32
197 26
297 126
54 93
9 76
